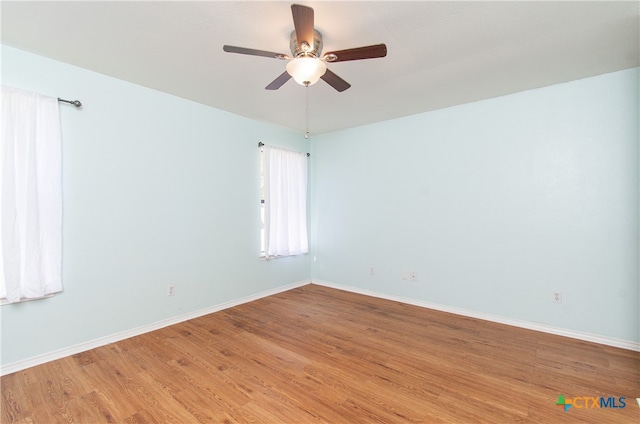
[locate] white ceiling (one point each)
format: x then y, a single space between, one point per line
439 53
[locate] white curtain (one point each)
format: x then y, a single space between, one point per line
285 199
30 196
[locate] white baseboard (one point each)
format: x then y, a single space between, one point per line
102 341
609 341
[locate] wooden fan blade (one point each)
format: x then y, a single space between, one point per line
335 81
253 52
368 52
279 82
303 23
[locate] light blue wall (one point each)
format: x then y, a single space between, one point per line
494 204
158 190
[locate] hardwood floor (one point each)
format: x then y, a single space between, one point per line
315 354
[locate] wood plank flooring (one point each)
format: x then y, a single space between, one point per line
314 355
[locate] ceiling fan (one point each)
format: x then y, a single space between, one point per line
307 64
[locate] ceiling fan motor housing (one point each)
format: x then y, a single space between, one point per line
313 51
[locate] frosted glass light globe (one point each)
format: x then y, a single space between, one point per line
306 70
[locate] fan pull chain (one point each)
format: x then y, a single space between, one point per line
306 89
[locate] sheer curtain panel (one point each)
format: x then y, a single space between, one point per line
285 199
30 196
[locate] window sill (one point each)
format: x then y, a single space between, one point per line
4 301
262 257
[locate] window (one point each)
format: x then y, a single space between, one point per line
262 203
30 196
283 202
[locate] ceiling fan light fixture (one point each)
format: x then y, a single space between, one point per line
306 70
306 63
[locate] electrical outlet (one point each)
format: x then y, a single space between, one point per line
171 290
413 276
372 270
557 297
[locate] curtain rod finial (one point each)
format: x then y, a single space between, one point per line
76 103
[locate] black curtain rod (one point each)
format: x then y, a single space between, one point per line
260 144
76 103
